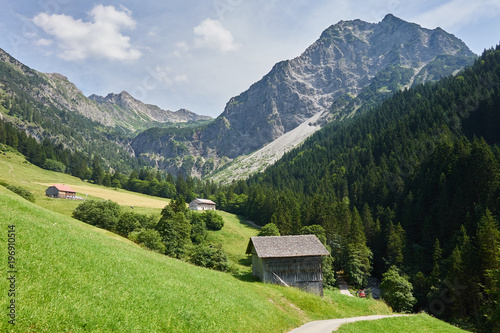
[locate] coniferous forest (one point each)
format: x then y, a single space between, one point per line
412 184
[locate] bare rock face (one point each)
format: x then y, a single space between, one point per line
343 61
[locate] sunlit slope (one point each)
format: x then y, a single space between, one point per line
73 277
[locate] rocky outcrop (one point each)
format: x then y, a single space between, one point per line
343 61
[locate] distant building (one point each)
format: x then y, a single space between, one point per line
288 261
202 204
60 191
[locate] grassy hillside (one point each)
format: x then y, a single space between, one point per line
423 322
73 277
234 237
15 170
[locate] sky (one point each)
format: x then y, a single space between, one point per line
196 54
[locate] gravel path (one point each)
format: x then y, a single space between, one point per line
327 326
344 289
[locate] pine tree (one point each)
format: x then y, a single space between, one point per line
97 173
358 255
488 243
395 244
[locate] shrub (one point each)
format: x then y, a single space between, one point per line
328 271
22 192
102 214
315 229
269 229
54 165
148 238
209 256
397 291
213 221
129 222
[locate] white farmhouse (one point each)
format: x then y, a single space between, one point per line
202 204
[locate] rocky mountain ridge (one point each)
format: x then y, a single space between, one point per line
352 63
142 112
114 110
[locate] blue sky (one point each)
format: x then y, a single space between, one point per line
197 54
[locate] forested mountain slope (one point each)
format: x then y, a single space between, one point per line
50 107
416 180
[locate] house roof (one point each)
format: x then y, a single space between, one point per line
63 188
204 201
286 246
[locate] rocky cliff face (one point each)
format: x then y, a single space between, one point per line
344 60
353 62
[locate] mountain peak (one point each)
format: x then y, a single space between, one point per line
391 18
342 62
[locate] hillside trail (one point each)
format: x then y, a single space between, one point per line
329 325
344 288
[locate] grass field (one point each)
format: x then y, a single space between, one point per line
420 323
15 170
72 277
234 237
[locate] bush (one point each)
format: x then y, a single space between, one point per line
213 221
129 222
209 256
269 229
53 165
315 229
102 214
22 192
328 271
148 238
397 291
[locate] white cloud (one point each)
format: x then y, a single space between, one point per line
458 13
100 38
163 75
212 34
44 42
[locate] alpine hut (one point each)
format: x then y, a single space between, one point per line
202 204
289 261
60 191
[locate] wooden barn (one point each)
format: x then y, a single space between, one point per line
60 191
202 204
289 261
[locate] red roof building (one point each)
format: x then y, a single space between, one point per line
60 191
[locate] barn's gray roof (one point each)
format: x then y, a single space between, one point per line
204 201
286 246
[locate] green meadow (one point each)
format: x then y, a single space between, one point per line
421 323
